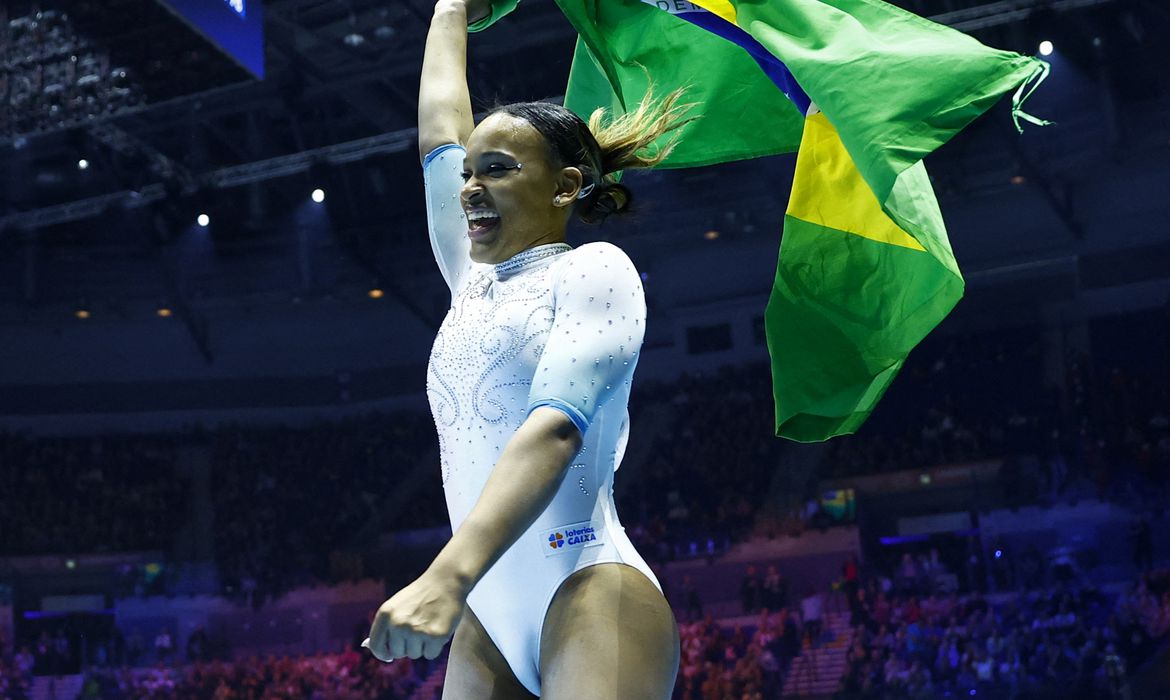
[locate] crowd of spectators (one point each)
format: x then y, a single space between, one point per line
84 495
1105 434
706 473
347 676
1119 401
1064 642
287 497
745 663
957 399
16 671
698 487
54 75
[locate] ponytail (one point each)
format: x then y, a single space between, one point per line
604 147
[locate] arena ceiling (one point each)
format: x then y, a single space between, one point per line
338 110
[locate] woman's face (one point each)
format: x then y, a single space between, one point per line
513 197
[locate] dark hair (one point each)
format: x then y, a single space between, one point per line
600 149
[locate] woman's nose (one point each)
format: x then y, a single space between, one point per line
470 192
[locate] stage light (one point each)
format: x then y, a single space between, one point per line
1046 48
318 195
1018 180
164 312
711 235
83 164
376 293
203 220
82 314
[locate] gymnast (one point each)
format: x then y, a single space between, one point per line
529 381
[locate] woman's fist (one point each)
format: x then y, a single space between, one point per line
418 620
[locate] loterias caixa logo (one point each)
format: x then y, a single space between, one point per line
571 537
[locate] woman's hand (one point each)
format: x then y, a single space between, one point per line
474 9
418 620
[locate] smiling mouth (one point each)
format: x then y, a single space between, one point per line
481 228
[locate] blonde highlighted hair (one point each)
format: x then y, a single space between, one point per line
605 146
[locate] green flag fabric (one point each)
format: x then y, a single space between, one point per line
864 91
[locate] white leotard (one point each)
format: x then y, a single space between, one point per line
552 326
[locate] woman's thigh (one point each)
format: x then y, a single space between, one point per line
608 635
476 670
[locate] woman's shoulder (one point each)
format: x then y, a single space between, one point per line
601 253
597 265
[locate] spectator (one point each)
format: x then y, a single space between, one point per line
907 578
1143 545
774 589
851 578
197 645
693 605
812 608
135 647
164 644
750 589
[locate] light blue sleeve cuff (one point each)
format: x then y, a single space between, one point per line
574 415
438 151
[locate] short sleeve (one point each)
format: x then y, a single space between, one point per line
442 179
599 320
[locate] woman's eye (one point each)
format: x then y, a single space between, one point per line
494 170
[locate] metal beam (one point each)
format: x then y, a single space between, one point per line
994 14
159 164
293 39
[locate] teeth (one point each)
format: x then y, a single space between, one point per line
481 215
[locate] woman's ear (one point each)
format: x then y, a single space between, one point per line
571 181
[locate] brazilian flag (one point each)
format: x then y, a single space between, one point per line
863 91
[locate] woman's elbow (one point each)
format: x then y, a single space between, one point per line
556 426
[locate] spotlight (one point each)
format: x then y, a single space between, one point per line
1018 180
1046 48
203 220
82 314
318 195
83 164
711 235
376 293
164 312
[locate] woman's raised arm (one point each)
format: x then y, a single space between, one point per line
444 104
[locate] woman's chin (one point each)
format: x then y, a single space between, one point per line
483 251
487 252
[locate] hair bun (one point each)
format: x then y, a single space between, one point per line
610 198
